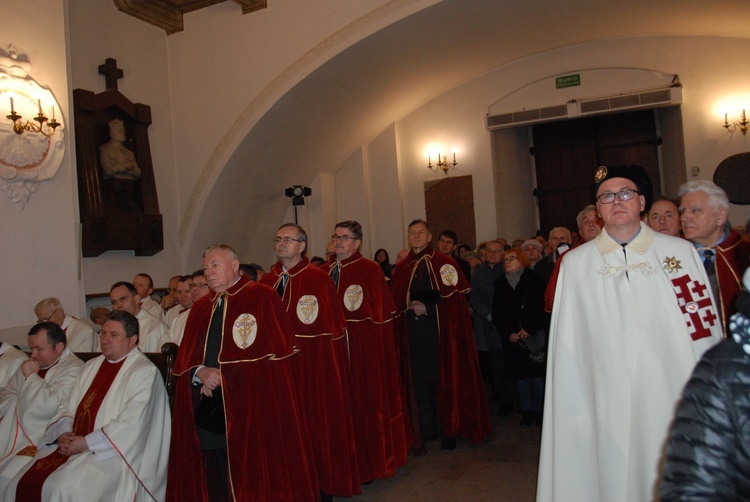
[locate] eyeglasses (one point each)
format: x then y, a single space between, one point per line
197 285
342 238
624 196
285 240
510 258
46 319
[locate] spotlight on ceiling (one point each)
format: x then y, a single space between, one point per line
298 194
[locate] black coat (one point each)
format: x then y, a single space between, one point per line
512 309
708 455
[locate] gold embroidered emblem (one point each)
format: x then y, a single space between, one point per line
353 297
307 309
601 173
29 451
671 265
449 275
244 330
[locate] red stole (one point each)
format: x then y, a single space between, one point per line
31 484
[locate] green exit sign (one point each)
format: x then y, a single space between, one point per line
568 81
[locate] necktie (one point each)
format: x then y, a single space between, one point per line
215 329
335 269
625 254
708 260
281 284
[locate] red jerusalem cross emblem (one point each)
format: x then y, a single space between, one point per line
696 306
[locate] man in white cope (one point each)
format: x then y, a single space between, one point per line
144 286
632 315
80 335
33 396
124 296
111 441
176 317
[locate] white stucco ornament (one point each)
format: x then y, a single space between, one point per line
26 158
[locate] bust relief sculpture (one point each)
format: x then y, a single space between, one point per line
116 159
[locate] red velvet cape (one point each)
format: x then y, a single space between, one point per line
268 446
324 382
462 400
732 259
381 430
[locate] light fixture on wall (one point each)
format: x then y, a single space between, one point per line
441 163
19 127
732 126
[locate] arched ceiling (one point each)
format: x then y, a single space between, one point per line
347 101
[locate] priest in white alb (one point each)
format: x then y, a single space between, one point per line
112 441
33 396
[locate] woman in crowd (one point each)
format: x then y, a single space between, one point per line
519 317
382 259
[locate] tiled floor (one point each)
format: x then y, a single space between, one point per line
502 468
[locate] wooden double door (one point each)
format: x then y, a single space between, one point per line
568 153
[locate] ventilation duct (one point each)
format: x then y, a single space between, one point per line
653 98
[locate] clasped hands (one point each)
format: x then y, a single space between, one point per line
70 444
418 308
210 378
521 335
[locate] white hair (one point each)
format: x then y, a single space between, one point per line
717 197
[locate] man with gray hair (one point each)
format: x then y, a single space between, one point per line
704 207
558 236
238 430
80 335
589 222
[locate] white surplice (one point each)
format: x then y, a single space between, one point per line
133 426
80 335
10 360
627 329
28 405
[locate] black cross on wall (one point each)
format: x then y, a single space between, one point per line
111 73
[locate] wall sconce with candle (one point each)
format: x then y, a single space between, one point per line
732 126
441 163
19 127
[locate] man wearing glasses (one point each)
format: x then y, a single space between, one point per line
379 415
80 335
309 298
632 314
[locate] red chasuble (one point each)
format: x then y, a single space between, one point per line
383 435
267 444
31 484
462 400
324 382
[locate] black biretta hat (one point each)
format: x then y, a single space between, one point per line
636 174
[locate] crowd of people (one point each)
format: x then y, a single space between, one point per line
322 374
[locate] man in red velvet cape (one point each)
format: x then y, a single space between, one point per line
266 443
704 208
380 426
324 382
440 368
